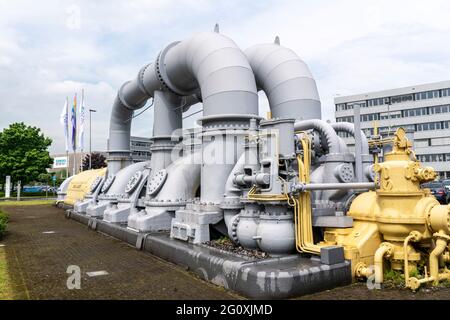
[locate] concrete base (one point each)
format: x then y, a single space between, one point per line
117 213
97 209
82 205
150 220
273 278
192 223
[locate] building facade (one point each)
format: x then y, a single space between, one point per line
140 149
139 146
422 109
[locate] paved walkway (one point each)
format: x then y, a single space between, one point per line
41 244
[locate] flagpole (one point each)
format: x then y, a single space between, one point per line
66 133
74 134
82 136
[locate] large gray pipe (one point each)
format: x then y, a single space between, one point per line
286 80
350 129
326 131
207 61
215 64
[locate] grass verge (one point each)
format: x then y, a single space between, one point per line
6 291
26 203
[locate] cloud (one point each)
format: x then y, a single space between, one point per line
51 49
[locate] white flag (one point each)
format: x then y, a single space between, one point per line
64 120
82 120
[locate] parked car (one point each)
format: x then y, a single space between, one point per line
447 185
439 191
29 189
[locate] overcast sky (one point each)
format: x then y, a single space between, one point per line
52 49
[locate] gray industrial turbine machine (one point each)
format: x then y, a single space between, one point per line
229 177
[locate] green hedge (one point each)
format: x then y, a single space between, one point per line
3 223
28 194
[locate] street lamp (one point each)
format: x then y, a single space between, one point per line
90 137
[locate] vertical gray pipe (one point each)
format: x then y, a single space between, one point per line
350 129
167 119
358 143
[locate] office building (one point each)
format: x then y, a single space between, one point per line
423 109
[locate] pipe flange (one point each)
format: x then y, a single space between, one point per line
95 184
124 103
389 248
234 230
157 181
140 80
133 182
227 117
107 183
160 68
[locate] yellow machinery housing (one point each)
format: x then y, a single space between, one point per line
399 223
81 185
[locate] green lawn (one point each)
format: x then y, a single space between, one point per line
26 203
6 292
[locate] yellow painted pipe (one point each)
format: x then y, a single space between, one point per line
441 244
413 236
385 250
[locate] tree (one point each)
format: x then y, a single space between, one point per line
98 161
23 153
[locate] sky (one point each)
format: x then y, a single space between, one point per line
51 49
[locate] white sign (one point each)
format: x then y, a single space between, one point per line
59 162
8 187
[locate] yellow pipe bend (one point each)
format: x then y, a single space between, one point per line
385 250
413 236
441 245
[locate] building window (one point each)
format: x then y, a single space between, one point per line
427 95
445 92
432 126
341 106
345 119
440 109
440 157
422 143
370 117
377 102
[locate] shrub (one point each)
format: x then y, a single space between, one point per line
3 223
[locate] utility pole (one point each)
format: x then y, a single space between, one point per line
90 137
358 142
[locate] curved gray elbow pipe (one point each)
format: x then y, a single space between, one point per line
286 80
350 129
325 130
215 64
207 61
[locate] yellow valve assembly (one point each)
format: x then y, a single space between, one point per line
399 224
80 185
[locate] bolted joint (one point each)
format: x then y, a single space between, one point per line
439 218
415 236
362 271
389 249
